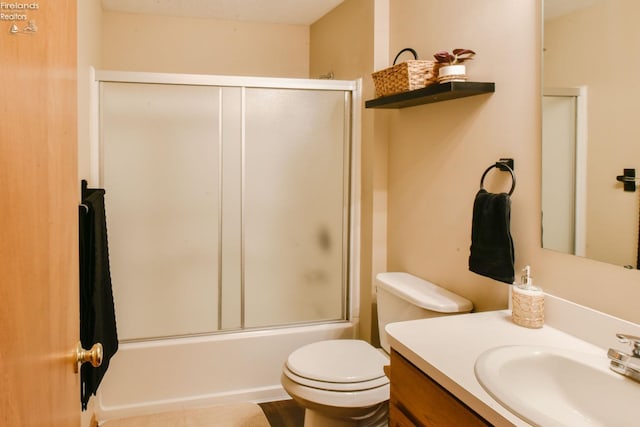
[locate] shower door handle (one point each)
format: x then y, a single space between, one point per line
93 355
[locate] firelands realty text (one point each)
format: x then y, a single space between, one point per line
14 11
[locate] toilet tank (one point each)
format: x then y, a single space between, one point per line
402 296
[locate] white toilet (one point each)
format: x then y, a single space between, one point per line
341 383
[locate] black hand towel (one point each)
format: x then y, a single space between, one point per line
492 252
97 314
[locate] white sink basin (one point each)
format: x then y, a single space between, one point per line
549 386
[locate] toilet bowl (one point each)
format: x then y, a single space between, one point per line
341 383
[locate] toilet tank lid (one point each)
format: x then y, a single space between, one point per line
423 293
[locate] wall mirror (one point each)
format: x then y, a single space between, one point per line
591 128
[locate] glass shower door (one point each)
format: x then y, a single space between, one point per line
160 156
227 206
295 217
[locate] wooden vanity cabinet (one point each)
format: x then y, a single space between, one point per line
417 400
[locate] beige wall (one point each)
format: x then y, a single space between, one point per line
89 55
612 214
438 152
342 42
134 42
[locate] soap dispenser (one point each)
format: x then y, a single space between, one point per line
527 302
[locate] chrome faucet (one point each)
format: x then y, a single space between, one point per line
623 363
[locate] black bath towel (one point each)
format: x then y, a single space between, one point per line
492 252
97 313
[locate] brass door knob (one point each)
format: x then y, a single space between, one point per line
93 356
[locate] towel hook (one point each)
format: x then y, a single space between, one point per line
504 165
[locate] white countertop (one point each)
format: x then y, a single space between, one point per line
446 348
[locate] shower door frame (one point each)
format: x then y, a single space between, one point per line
354 87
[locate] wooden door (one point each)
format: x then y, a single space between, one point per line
38 214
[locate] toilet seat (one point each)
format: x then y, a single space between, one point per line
337 365
339 387
339 399
337 373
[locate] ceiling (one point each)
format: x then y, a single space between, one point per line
298 12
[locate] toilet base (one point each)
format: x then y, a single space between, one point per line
315 419
378 417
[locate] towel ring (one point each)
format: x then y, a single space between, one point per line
502 166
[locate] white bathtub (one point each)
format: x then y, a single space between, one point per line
162 375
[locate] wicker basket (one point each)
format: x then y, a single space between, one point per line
406 76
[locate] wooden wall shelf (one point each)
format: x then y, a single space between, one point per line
430 94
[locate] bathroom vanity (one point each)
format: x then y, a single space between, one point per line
416 399
435 368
